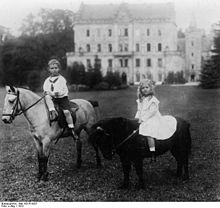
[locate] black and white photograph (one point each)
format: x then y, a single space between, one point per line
109 101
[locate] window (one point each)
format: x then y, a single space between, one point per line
99 47
192 66
159 32
148 47
110 63
87 33
98 62
159 62
126 62
126 32
137 47
159 46
126 46
148 32
148 62
120 47
138 62
88 63
192 54
121 62
138 76
88 47
160 77
109 32
110 47
192 43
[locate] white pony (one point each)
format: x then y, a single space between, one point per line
22 101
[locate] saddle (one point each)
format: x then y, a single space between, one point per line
61 117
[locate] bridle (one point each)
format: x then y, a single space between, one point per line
17 108
123 141
114 150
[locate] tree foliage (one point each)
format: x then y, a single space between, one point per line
47 21
175 78
94 74
210 73
76 73
44 36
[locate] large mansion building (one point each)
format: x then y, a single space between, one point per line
138 40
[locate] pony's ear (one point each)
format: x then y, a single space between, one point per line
10 89
99 128
7 88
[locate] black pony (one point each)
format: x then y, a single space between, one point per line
117 135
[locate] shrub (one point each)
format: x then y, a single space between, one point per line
175 78
102 86
76 73
113 79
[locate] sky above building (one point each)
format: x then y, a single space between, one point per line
206 12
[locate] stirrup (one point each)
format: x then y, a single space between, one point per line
53 115
75 136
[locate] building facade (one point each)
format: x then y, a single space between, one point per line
138 40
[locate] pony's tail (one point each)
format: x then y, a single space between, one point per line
95 105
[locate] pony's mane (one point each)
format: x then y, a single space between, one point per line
27 89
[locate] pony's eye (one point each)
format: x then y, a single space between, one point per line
11 101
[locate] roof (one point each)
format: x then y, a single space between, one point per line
133 11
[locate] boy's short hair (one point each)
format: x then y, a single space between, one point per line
54 61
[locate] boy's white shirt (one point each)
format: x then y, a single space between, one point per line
60 86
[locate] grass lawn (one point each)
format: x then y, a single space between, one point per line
18 160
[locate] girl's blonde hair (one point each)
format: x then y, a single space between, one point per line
145 82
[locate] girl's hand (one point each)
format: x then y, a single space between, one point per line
56 94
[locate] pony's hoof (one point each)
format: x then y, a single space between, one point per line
45 177
99 166
185 178
39 175
140 186
124 186
78 165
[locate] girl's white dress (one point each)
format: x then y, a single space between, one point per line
153 124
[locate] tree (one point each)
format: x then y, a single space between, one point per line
76 73
94 74
113 79
210 73
49 34
47 21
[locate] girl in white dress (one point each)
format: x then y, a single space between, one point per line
152 123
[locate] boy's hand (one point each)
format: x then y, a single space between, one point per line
56 94
48 93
